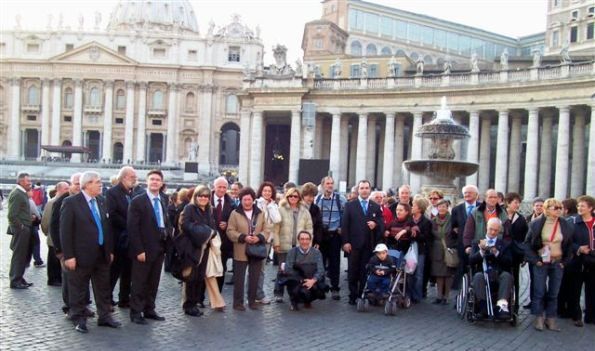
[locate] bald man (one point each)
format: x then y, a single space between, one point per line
53 269
476 224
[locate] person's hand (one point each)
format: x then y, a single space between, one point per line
59 255
277 248
584 249
539 264
561 265
347 248
111 258
386 233
456 230
371 225
70 264
223 225
494 250
400 234
141 257
482 244
468 250
309 283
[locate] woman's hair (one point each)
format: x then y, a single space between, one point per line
421 203
443 202
183 194
437 192
549 203
570 206
405 206
265 184
309 189
291 191
589 200
201 190
173 198
247 191
510 197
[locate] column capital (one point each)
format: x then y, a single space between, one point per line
78 83
390 114
363 115
418 113
45 81
173 86
108 84
15 81
563 109
502 112
57 81
142 84
296 112
130 84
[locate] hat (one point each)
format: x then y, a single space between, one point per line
380 248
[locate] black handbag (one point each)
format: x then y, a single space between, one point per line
256 251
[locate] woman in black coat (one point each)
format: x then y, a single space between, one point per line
516 227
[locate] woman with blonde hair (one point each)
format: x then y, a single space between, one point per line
198 223
548 247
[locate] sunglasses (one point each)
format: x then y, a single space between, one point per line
556 208
203 195
434 198
294 196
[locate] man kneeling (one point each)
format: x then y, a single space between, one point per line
492 254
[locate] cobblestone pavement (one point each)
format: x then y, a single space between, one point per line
32 320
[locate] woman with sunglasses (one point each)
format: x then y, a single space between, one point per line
295 218
197 221
548 247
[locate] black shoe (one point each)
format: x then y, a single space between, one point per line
113 303
39 264
54 283
294 307
109 322
502 315
194 312
65 309
26 282
527 306
123 304
88 313
201 304
437 302
154 316
352 302
138 319
19 285
81 327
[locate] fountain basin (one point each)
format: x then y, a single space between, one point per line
441 168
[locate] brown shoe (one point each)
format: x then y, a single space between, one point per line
538 323
550 323
254 306
239 307
579 323
219 309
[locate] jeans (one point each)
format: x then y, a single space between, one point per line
36 245
279 289
417 280
545 298
378 285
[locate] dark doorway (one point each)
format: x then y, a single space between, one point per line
276 153
67 155
93 145
118 153
229 144
31 144
155 147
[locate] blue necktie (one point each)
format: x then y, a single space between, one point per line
157 211
365 206
97 220
470 209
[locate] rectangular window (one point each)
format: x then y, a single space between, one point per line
156 122
318 44
371 23
122 50
401 30
32 48
590 30
574 15
386 28
355 71
373 70
556 3
159 52
591 11
69 47
439 38
555 39
234 54
356 20
67 118
31 118
192 55
573 34
119 120
414 32
452 41
465 45
427 35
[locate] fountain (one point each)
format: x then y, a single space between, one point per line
440 169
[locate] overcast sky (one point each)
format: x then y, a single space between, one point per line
282 21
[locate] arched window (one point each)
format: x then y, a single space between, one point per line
400 53
231 104
94 97
229 144
428 60
414 56
33 95
158 100
371 50
386 51
356 48
190 101
440 62
68 98
120 99
118 152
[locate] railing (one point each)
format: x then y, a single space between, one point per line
489 77
516 76
431 81
349 83
581 69
377 83
30 108
404 82
460 79
93 109
157 112
550 73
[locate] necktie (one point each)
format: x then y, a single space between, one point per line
469 209
157 211
97 220
218 210
365 206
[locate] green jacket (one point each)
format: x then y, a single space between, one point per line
475 228
19 212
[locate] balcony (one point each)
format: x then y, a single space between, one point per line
30 108
89 109
157 112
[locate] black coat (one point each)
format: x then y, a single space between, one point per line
117 199
500 263
424 235
199 226
459 216
143 230
316 215
517 231
580 238
533 241
228 207
354 227
55 222
79 234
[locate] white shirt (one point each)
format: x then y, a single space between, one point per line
216 201
151 197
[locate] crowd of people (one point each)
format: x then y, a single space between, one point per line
130 232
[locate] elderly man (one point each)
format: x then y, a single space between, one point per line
475 226
53 268
19 225
222 205
459 215
492 254
87 245
117 200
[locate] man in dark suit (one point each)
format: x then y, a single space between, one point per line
87 246
458 217
117 200
147 225
362 227
223 206
19 225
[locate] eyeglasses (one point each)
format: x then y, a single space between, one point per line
294 196
434 198
557 208
203 195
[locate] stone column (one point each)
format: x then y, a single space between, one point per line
362 148
256 150
14 141
416 151
336 149
204 140
344 154
591 155
295 146
244 145
107 120
399 145
545 156
371 152
577 177
484 154
77 122
562 153
473 144
514 166
56 112
171 155
45 111
532 155
141 122
129 124
389 149
501 152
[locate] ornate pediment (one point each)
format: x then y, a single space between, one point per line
93 53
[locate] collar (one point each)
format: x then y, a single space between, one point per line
474 204
494 239
87 196
328 197
304 252
21 188
151 196
216 198
360 199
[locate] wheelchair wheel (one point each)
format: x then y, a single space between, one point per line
470 310
514 320
462 296
360 305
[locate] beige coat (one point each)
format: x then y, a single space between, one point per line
285 235
238 226
46 218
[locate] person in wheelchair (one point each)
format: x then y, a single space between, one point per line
381 269
495 259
